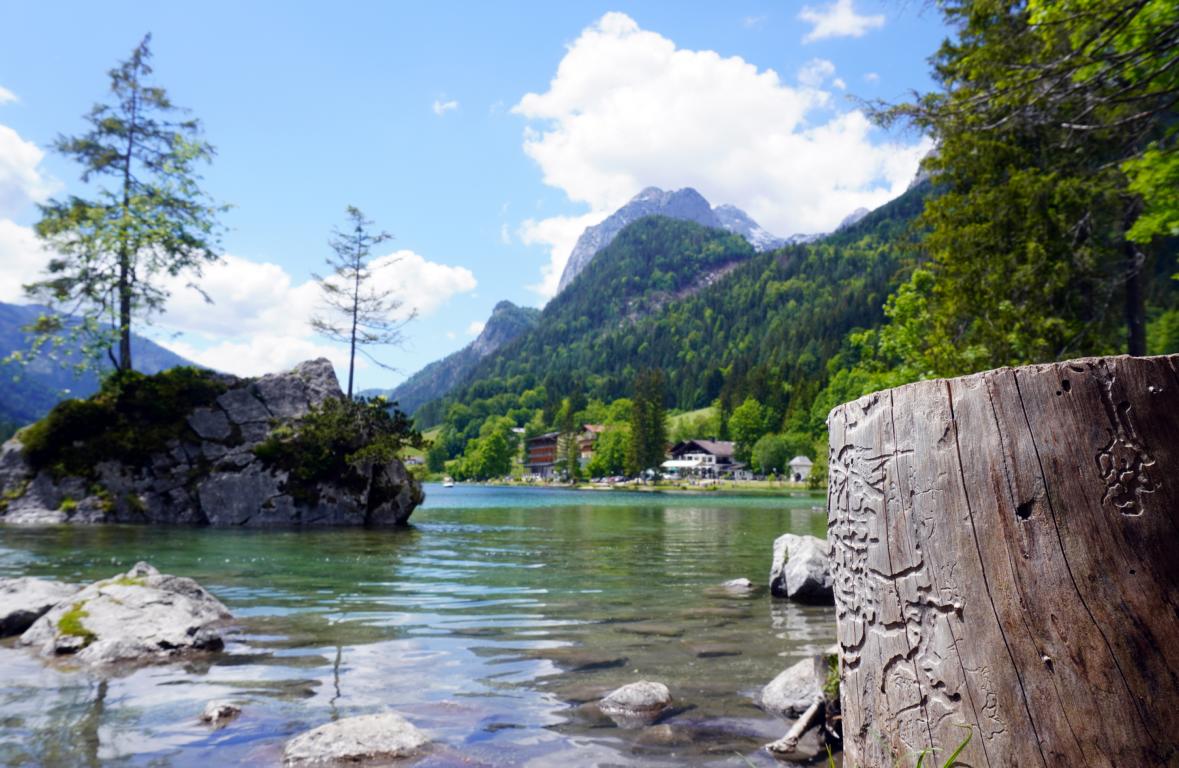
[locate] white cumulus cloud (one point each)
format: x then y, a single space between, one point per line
815 72
839 19
628 109
475 327
260 316
7 96
444 105
559 234
21 180
22 260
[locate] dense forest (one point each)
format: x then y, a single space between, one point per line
751 327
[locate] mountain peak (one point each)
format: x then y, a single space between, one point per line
686 204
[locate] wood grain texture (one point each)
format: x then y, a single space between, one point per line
1005 549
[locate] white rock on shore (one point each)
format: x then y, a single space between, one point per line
141 615
793 691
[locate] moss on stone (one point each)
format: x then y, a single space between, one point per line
129 581
67 505
12 494
71 624
831 684
132 417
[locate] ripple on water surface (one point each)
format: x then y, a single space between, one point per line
492 623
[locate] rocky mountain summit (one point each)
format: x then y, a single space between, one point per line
506 323
686 204
206 469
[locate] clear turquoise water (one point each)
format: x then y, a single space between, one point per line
490 623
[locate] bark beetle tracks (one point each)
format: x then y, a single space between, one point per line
1124 462
893 613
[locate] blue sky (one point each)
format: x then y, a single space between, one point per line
483 136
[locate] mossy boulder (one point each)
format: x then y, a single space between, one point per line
197 447
142 615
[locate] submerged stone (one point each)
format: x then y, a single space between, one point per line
363 740
637 704
220 712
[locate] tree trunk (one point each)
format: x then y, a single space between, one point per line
125 362
1135 306
1005 548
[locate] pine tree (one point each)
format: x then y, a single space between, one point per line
648 425
359 314
148 218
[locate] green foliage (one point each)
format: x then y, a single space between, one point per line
1162 333
610 450
648 423
68 505
773 452
831 684
1055 131
147 221
490 455
703 423
436 456
132 417
13 493
357 313
336 441
748 423
71 624
765 329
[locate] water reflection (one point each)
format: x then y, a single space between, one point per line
491 623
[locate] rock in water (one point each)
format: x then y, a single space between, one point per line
214 473
356 740
637 704
738 586
24 600
801 570
142 615
793 691
220 712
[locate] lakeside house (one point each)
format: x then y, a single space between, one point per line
702 458
545 454
540 455
800 468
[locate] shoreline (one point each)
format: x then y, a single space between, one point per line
678 490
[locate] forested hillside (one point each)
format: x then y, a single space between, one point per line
723 323
437 379
28 392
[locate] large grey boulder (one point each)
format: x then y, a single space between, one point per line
142 615
289 395
794 690
637 704
24 600
212 473
801 570
363 740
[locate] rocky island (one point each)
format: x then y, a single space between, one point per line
195 447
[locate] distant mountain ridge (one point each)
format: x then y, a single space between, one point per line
28 393
437 379
683 204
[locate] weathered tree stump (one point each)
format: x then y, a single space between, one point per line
1005 549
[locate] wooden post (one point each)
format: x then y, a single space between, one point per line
1005 549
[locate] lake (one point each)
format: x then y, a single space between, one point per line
489 623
